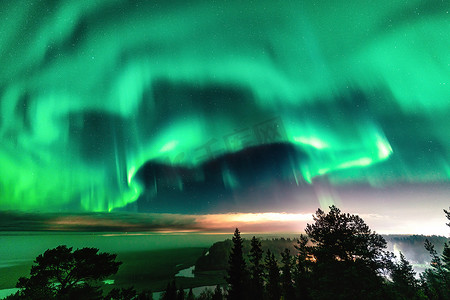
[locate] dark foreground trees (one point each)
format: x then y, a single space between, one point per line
341 258
273 290
62 273
287 286
237 272
436 280
404 282
256 270
348 257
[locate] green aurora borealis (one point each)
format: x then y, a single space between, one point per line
92 90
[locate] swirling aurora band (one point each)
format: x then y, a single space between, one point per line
91 91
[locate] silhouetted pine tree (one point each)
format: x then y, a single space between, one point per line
446 259
435 282
273 277
287 286
180 294
403 280
256 270
145 295
447 214
190 295
121 294
170 292
206 294
302 272
218 295
237 271
437 278
446 255
64 273
348 257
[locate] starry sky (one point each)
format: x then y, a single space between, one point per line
164 107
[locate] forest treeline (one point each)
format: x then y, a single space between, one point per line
216 258
339 257
411 246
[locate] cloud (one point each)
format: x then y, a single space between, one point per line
163 223
95 222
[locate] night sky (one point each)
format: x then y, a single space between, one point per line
214 108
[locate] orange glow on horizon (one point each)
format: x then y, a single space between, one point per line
255 217
255 222
270 222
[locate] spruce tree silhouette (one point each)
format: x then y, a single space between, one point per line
403 278
237 270
180 293
171 291
122 294
303 267
447 214
218 295
435 281
287 286
256 270
438 276
190 295
272 277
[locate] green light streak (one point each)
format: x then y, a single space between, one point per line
362 162
169 146
131 173
311 141
384 149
